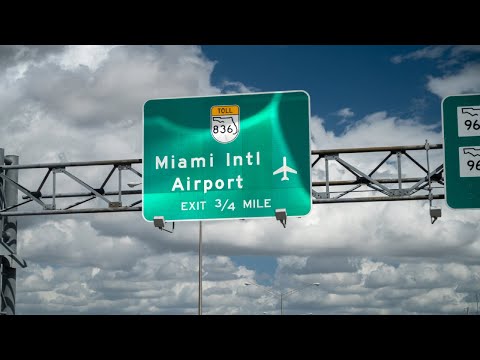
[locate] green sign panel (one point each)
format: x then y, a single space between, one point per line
227 157
461 135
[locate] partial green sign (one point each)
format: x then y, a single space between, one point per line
227 157
461 134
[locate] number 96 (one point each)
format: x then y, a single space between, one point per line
472 164
469 125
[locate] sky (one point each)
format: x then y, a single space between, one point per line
84 103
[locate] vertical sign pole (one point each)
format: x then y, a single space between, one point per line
120 184
200 271
399 169
281 304
2 199
327 179
54 180
2 193
427 147
9 274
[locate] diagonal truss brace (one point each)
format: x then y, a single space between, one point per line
424 181
357 172
24 190
85 185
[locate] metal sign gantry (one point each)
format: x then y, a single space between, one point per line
382 189
38 201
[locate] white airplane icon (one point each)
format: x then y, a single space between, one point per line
284 169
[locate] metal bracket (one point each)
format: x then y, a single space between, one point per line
400 192
281 215
319 195
435 212
115 204
159 222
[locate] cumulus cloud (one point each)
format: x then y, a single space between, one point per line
465 81
152 284
459 64
85 104
103 99
11 55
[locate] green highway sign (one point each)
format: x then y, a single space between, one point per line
461 143
227 156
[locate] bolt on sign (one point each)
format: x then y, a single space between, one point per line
233 156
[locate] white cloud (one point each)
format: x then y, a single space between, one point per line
466 81
85 103
95 111
447 58
429 52
377 129
236 87
87 55
164 283
423 288
455 81
345 113
465 49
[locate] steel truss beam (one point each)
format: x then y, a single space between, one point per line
380 189
92 192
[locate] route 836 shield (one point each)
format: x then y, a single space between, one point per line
225 123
